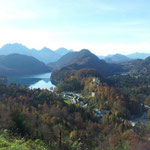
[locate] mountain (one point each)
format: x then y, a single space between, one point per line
63 51
101 57
83 59
138 67
15 48
17 64
45 55
138 55
117 58
142 68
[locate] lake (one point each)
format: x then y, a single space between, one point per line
41 81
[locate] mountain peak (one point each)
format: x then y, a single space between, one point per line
61 48
117 58
85 51
13 46
46 49
45 55
62 51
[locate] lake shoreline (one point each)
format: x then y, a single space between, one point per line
35 81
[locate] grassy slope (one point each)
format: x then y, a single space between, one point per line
7 142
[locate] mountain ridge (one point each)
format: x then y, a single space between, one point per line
138 55
74 61
18 64
45 55
117 58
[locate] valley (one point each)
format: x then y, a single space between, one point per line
74 75
71 103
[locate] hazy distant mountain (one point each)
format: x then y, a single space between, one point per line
101 57
17 64
14 48
84 59
63 51
117 58
45 55
17 49
138 55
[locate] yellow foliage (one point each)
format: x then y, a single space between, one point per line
73 134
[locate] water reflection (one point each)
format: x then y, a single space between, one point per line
41 81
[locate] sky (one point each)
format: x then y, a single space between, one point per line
102 26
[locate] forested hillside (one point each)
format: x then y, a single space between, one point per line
16 64
74 61
41 114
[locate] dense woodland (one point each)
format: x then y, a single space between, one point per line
45 120
42 118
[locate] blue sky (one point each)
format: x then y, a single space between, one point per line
102 26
